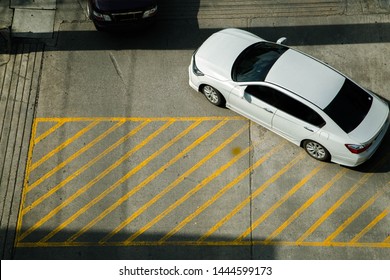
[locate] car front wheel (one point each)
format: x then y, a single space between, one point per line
316 150
213 95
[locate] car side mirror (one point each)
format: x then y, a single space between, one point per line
241 92
281 40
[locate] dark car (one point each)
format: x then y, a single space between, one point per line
113 14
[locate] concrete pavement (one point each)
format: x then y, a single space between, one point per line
20 64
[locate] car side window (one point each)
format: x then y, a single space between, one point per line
286 104
265 94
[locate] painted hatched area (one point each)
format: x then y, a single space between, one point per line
98 179
192 181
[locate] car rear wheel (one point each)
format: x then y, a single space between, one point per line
316 150
213 95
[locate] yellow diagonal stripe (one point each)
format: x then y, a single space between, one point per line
83 168
306 205
187 173
74 156
93 182
63 145
247 200
329 212
48 132
153 176
354 216
208 203
370 225
271 180
118 183
188 195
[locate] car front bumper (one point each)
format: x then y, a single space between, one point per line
136 18
192 79
123 25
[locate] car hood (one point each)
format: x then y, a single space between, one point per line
217 54
372 124
119 5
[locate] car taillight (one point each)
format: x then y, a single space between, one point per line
357 148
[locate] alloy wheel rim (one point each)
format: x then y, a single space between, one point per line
211 94
316 150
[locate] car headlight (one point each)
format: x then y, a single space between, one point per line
150 13
195 68
100 16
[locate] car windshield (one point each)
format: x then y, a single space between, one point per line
349 107
254 63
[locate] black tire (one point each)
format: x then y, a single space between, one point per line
213 96
316 150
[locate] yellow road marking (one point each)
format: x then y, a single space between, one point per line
247 200
140 119
203 183
63 145
306 205
119 182
330 211
271 180
184 175
94 181
370 225
205 205
354 216
48 132
75 155
152 177
27 175
83 168
206 243
60 121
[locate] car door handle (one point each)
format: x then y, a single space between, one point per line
309 129
268 110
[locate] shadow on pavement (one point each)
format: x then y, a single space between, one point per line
182 247
167 35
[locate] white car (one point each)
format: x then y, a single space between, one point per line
292 94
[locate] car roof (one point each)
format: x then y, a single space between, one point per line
306 77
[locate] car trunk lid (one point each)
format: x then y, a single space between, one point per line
369 129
